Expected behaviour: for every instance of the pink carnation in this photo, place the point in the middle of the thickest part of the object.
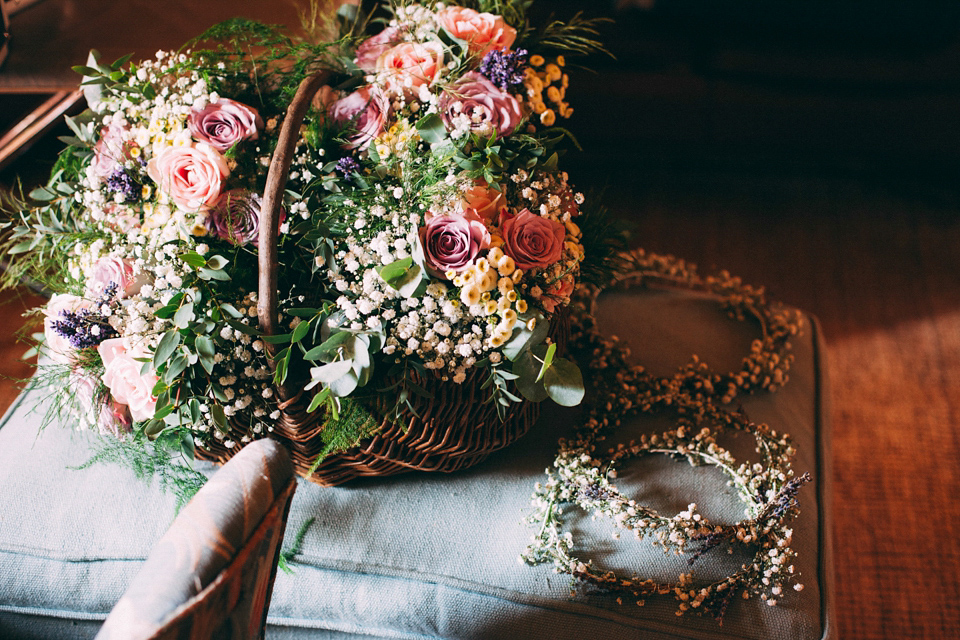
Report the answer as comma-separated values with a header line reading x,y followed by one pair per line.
x,y
532,240
488,109
452,243
410,65
483,32
224,123
192,176
365,110
127,385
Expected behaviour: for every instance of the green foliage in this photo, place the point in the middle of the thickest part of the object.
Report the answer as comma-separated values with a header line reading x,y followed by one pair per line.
x,y
149,462
577,35
604,238
354,423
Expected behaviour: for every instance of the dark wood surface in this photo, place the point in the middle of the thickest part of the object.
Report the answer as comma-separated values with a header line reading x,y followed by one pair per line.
x,y
828,174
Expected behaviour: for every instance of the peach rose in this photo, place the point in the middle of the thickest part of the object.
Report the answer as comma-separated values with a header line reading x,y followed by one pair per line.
x,y
410,65
532,240
127,385
375,46
483,201
192,176
483,32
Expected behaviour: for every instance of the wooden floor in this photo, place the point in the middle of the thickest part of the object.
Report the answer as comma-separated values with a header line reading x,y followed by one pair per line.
x,y
876,256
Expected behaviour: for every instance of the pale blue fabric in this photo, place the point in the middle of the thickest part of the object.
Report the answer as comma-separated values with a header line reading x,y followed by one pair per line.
x,y
426,556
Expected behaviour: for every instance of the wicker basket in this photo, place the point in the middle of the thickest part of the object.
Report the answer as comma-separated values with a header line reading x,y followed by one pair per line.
x,y
452,430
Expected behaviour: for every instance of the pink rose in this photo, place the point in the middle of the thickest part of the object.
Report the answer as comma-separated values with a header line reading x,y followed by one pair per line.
x,y
58,346
375,46
365,110
118,271
482,32
122,376
193,176
452,243
410,65
531,240
483,201
488,110
224,123
110,151
558,293
110,417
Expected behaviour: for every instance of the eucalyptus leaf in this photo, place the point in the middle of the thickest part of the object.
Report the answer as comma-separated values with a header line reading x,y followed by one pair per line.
x,y
526,368
564,383
330,372
184,316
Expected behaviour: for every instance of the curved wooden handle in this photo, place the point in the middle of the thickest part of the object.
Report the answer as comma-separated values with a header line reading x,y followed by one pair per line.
x,y
272,199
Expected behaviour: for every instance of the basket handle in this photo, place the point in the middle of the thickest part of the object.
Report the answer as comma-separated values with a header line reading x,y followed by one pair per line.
x,y
272,198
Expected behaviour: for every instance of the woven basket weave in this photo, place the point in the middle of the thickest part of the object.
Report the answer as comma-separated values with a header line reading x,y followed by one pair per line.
x,y
452,430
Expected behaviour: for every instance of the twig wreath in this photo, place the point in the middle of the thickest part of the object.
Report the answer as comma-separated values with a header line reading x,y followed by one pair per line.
x,y
692,398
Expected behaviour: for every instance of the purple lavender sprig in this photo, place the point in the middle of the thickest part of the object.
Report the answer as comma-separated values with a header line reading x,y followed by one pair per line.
x,y
123,183
504,69
86,328
347,166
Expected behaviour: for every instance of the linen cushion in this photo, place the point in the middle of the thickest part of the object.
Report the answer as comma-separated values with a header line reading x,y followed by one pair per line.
x,y
434,555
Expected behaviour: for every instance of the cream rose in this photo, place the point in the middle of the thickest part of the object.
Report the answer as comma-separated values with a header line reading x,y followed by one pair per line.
x,y
122,376
483,32
193,176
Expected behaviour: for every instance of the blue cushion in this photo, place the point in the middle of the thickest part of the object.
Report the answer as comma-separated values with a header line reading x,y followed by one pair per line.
x,y
431,555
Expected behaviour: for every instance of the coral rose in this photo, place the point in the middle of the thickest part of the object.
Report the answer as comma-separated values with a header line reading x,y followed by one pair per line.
x,y
475,102
224,123
482,32
410,65
452,243
192,176
122,376
532,240
366,110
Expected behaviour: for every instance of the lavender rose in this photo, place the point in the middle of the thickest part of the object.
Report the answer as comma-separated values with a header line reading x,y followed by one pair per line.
x,y
452,243
366,110
236,217
475,102
532,240
224,123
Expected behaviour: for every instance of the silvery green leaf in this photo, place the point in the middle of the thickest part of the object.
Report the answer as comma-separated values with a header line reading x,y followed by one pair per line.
x,y
564,383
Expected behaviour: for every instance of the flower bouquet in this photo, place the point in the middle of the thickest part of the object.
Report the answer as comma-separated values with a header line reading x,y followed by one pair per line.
x,y
361,246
